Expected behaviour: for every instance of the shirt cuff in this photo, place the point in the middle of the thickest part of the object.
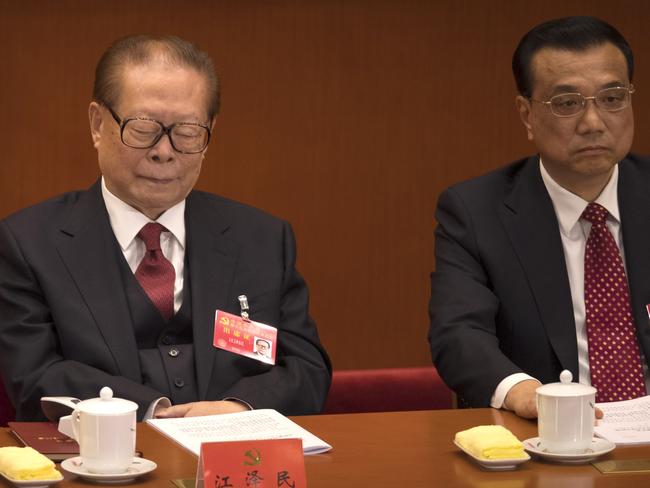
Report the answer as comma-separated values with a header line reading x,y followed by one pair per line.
x,y
504,387
232,399
162,401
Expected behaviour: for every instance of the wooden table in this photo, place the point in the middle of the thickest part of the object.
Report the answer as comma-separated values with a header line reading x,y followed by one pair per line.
x,y
395,450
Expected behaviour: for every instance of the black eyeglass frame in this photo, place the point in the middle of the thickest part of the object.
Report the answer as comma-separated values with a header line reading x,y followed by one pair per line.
x,y
165,130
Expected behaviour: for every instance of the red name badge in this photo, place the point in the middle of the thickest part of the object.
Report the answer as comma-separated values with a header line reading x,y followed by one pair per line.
x,y
276,463
246,337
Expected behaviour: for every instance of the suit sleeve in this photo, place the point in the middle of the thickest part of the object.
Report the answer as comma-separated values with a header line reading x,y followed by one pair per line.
x,y
32,362
299,381
464,309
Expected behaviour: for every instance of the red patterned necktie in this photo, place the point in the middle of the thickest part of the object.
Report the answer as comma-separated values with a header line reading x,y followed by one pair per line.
x,y
614,358
155,273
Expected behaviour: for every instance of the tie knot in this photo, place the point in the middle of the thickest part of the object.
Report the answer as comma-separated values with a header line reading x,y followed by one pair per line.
x,y
595,213
150,235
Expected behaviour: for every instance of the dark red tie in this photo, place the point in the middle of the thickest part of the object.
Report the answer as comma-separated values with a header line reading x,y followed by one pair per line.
x,y
155,273
614,358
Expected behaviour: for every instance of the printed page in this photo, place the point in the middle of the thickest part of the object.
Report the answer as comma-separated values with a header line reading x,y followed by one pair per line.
x,y
190,432
626,422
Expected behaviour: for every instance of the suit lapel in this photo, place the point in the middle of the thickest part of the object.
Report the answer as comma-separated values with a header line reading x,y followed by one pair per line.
x,y
212,262
87,247
634,202
530,222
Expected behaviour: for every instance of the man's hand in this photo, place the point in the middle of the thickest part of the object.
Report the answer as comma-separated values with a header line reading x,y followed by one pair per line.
x,y
521,399
197,409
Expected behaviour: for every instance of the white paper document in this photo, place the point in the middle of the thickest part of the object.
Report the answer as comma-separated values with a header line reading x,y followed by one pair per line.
x,y
190,432
626,422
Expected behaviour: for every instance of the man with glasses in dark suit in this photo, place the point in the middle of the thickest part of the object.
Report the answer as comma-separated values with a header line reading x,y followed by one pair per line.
x,y
542,265
118,285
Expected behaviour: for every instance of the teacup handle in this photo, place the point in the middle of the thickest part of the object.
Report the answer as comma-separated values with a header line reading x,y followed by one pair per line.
x,y
76,421
65,425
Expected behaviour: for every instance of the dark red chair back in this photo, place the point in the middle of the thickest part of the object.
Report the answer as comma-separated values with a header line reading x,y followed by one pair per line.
x,y
7,412
385,390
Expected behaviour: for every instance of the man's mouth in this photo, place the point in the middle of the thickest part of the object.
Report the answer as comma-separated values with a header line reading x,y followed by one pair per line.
x,y
157,179
593,149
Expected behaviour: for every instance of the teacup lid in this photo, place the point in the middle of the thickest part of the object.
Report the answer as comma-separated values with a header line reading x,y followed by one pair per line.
x,y
106,404
565,388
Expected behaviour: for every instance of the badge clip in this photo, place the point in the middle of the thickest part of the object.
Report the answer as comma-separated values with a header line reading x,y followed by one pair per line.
x,y
243,305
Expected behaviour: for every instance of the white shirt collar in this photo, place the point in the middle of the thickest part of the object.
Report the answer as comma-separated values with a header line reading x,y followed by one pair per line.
x,y
126,221
569,207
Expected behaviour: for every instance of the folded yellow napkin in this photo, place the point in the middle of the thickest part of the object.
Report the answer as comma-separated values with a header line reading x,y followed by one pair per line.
x,y
25,463
490,442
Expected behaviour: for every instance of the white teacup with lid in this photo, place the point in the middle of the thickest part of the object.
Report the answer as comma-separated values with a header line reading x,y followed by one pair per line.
x,y
104,427
566,415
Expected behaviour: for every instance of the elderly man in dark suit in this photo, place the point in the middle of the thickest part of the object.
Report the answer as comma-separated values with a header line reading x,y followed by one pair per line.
x,y
118,285
543,265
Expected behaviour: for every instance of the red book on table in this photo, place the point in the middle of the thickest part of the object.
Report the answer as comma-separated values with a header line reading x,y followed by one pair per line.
x,y
46,439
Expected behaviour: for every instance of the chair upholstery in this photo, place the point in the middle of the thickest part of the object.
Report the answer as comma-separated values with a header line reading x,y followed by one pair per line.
x,y
357,391
6,409
383,390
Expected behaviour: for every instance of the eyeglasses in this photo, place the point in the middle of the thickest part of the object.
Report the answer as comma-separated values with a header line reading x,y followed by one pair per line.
x,y
571,104
142,133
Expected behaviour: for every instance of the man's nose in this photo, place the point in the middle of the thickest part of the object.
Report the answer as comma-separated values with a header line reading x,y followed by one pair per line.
x,y
591,119
163,150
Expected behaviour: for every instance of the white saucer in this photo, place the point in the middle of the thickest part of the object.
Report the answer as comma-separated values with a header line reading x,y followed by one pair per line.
x,y
495,464
139,467
598,448
32,483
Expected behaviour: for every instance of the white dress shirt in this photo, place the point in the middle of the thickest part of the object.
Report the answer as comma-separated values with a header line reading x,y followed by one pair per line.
x,y
574,232
126,222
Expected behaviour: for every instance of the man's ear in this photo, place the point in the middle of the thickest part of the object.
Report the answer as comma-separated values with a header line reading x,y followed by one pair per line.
x,y
523,107
96,122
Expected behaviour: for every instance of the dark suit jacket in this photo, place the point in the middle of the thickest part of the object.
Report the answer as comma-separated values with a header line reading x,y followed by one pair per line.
x,y
500,296
65,327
